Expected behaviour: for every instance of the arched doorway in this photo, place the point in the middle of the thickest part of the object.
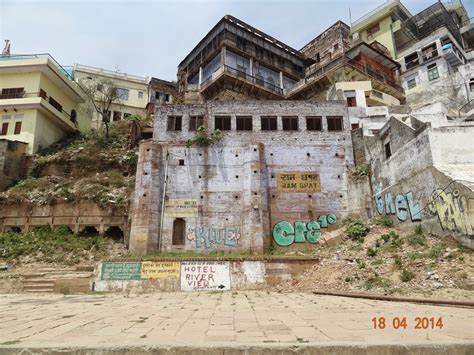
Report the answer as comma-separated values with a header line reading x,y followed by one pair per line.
x,y
179,227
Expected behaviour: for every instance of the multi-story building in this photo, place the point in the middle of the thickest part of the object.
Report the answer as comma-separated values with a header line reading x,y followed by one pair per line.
x,y
281,166
381,25
39,101
237,61
133,91
161,92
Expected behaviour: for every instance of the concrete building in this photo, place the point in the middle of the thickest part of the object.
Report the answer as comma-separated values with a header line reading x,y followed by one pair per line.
x,y
133,89
160,92
280,176
381,25
421,172
38,101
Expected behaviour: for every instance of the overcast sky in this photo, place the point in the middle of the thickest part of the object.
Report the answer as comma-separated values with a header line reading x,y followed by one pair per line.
x,y
150,38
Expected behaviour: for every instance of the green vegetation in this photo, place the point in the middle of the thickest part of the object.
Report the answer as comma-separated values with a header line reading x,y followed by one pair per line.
x,y
360,263
205,139
371,251
383,221
407,276
357,230
377,282
360,172
397,260
436,251
46,245
417,237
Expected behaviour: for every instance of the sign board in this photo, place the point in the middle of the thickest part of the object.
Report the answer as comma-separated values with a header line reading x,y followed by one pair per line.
x,y
121,270
298,181
181,207
160,269
205,275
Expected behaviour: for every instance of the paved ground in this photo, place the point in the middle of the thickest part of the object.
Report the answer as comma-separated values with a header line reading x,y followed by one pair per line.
x,y
302,322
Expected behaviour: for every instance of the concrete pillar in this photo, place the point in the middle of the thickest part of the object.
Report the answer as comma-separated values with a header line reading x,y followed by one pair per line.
x,y
200,76
251,67
420,57
145,207
281,80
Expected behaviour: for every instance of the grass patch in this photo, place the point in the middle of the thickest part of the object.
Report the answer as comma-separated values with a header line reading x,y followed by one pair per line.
x,y
397,260
48,245
417,237
436,251
377,282
383,221
407,275
357,230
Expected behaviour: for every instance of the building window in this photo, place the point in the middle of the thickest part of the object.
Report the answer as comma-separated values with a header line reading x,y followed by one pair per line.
x,y
290,123
433,72
17,128
43,94
117,116
351,102
354,126
12,93
388,150
314,123
140,94
411,83
174,123
471,85
179,227
73,116
167,98
373,30
334,123
268,123
126,115
222,123
55,104
244,123
195,122
122,94
4,129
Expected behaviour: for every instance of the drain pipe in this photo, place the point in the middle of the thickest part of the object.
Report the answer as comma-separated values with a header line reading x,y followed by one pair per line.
x,y
163,202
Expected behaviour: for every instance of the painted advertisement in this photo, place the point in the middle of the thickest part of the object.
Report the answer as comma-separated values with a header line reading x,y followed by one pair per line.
x,y
205,275
121,270
181,207
160,269
298,181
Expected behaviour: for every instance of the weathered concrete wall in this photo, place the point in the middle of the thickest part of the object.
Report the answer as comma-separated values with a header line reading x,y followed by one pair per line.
x,y
197,275
76,216
12,162
227,194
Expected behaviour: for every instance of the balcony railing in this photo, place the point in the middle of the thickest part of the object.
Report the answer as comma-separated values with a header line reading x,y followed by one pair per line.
x,y
43,95
247,77
379,77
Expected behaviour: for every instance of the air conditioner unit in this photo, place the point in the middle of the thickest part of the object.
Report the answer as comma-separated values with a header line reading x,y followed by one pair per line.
x,y
356,36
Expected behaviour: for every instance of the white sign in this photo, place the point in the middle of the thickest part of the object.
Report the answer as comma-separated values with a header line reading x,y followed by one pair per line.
x,y
205,275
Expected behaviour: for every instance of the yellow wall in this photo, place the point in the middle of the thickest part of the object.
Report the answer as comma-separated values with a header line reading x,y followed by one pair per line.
x,y
383,36
47,132
29,81
28,125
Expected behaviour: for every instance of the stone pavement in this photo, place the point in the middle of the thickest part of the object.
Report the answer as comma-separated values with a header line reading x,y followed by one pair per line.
x,y
225,323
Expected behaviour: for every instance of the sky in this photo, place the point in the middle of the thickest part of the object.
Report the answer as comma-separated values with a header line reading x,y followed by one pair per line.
x,y
150,38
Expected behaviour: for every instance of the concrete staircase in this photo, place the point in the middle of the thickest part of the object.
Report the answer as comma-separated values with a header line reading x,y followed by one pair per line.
x,y
62,280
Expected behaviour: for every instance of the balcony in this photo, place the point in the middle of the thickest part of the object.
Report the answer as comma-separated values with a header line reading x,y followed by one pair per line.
x,y
243,80
453,55
40,99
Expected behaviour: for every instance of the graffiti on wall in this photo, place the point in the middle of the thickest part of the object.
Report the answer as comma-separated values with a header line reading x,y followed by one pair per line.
x,y
205,237
205,275
298,181
455,211
402,205
286,233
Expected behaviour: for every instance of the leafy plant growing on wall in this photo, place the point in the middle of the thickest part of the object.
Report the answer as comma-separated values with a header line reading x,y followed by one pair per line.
x,y
360,172
205,139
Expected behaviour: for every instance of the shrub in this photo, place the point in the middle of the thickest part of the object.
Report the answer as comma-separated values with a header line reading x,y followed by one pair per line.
x,y
385,238
357,230
416,239
205,139
436,251
397,260
360,263
396,240
407,276
371,252
377,281
383,221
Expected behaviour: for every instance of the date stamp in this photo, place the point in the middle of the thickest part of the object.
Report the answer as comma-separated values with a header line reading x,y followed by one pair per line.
x,y
403,323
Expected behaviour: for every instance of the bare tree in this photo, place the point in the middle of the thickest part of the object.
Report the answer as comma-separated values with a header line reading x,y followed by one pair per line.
x,y
102,93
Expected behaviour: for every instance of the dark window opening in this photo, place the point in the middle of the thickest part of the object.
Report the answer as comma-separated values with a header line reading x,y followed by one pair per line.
x,y
43,94
179,227
174,123
354,125
73,116
195,122
244,123
314,123
222,123
12,93
411,83
89,231
181,162
55,104
433,72
115,233
334,123
351,102
290,123
388,150
17,128
117,116
4,129
269,123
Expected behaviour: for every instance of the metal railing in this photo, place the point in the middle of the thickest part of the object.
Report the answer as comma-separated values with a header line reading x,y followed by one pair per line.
x,y
43,95
37,56
247,77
